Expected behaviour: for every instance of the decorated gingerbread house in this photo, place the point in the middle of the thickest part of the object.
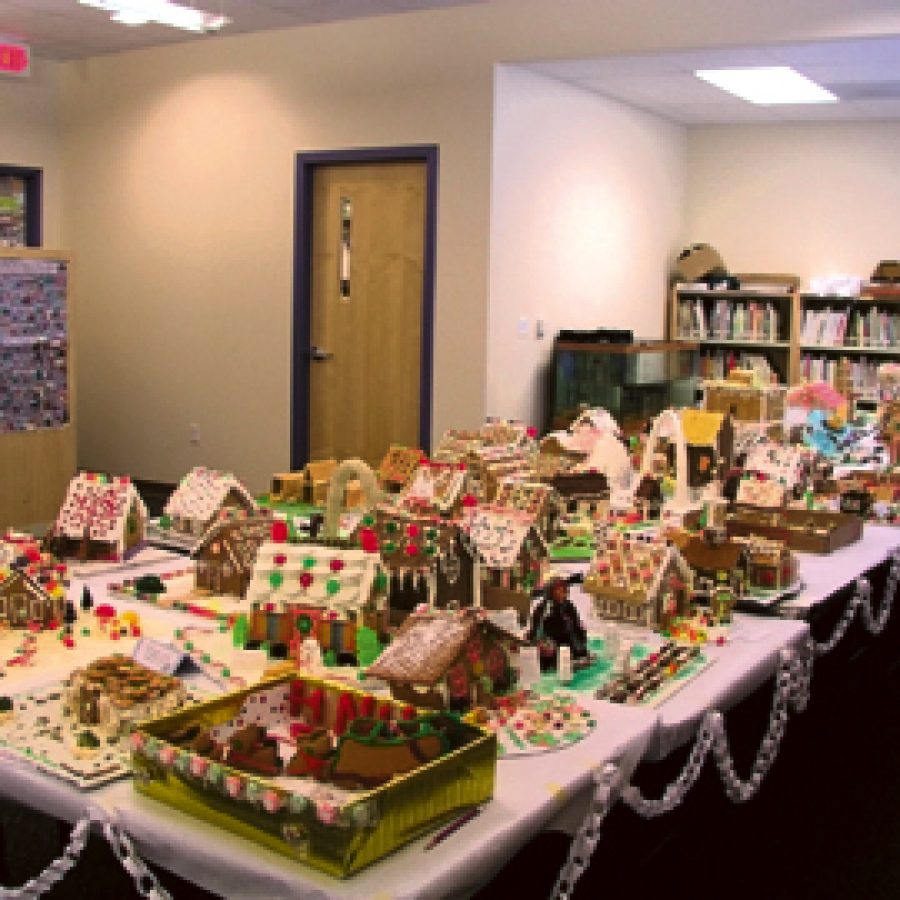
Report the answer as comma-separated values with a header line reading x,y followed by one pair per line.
x,y
200,498
294,585
34,594
424,559
511,554
643,582
398,467
447,660
709,437
102,517
225,555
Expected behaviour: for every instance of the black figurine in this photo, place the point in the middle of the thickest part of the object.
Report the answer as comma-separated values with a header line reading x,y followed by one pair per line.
x,y
87,599
555,623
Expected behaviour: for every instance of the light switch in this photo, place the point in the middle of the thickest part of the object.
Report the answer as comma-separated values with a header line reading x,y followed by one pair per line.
x,y
522,327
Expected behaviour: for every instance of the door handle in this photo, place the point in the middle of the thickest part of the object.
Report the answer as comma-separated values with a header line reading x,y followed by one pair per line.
x,y
317,354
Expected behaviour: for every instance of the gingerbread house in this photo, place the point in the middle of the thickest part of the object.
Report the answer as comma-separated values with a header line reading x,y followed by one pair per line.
x,y
715,558
771,565
200,498
102,517
35,594
338,584
511,554
224,556
447,660
398,467
642,582
424,559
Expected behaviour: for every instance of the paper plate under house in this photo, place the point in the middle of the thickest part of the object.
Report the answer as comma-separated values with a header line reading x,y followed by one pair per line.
x,y
221,762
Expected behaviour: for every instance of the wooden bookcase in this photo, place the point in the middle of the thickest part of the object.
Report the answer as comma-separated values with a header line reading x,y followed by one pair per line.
x,y
857,341
789,347
728,327
37,461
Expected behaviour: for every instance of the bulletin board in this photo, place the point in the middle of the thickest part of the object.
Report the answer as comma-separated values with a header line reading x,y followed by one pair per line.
x,y
37,441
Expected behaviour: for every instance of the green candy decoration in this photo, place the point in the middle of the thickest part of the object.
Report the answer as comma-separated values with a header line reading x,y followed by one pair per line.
x,y
332,586
381,581
276,579
304,624
309,562
389,547
368,520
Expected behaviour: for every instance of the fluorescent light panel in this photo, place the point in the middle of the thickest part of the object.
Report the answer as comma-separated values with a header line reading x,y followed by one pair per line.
x,y
162,12
767,85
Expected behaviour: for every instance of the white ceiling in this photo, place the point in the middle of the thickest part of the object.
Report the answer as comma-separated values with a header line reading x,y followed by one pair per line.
x,y
863,73
63,29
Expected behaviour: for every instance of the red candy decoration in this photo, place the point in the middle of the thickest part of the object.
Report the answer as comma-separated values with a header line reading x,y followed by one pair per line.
x,y
336,565
279,531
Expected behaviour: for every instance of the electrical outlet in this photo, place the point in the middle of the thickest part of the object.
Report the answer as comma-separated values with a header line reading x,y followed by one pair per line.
x,y
539,329
194,433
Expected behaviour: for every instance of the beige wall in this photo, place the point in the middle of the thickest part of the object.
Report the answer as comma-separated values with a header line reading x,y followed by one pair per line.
x,y
30,136
814,199
587,207
179,200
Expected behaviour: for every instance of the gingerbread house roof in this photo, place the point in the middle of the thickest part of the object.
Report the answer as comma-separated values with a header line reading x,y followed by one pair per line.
x,y
312,574
650,561
498,535
704,556
45,577
434,486
427,644
98,505
526,496
201,493
240,539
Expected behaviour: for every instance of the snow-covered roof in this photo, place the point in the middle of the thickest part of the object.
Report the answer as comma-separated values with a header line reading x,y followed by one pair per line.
x,y
98,504
202,492
314,574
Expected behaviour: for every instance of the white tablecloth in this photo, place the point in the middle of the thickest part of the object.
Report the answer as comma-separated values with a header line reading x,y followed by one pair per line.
x,y
824,575
533,793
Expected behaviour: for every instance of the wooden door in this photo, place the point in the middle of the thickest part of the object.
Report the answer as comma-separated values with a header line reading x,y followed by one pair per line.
x,y
366,281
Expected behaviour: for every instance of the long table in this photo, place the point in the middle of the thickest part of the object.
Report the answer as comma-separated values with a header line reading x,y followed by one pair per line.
x,y
533,794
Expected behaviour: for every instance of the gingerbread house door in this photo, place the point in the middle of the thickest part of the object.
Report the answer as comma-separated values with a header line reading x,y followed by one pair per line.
x,y
363,303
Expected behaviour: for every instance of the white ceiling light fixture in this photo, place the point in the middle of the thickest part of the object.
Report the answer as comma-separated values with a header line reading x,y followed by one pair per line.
x,y
767,85
162,12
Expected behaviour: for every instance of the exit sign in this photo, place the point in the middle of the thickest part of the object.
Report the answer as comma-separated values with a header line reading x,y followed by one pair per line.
x,y
15,58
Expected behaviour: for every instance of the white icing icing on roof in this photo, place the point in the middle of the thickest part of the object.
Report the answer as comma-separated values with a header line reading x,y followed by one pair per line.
x,y
498,535
99,505
292,561
202,492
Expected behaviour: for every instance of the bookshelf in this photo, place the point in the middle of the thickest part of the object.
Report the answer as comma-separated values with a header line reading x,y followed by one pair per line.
x,y
864,329
751,327
801,336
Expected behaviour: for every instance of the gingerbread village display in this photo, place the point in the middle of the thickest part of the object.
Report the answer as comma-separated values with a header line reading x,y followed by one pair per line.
x,y
452,595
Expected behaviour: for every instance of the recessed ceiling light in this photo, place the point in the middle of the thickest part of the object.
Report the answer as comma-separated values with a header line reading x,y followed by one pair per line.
x,y
767,85
162,12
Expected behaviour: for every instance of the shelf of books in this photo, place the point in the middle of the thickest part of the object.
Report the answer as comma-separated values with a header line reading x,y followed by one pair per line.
x,y
864,329
750,328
